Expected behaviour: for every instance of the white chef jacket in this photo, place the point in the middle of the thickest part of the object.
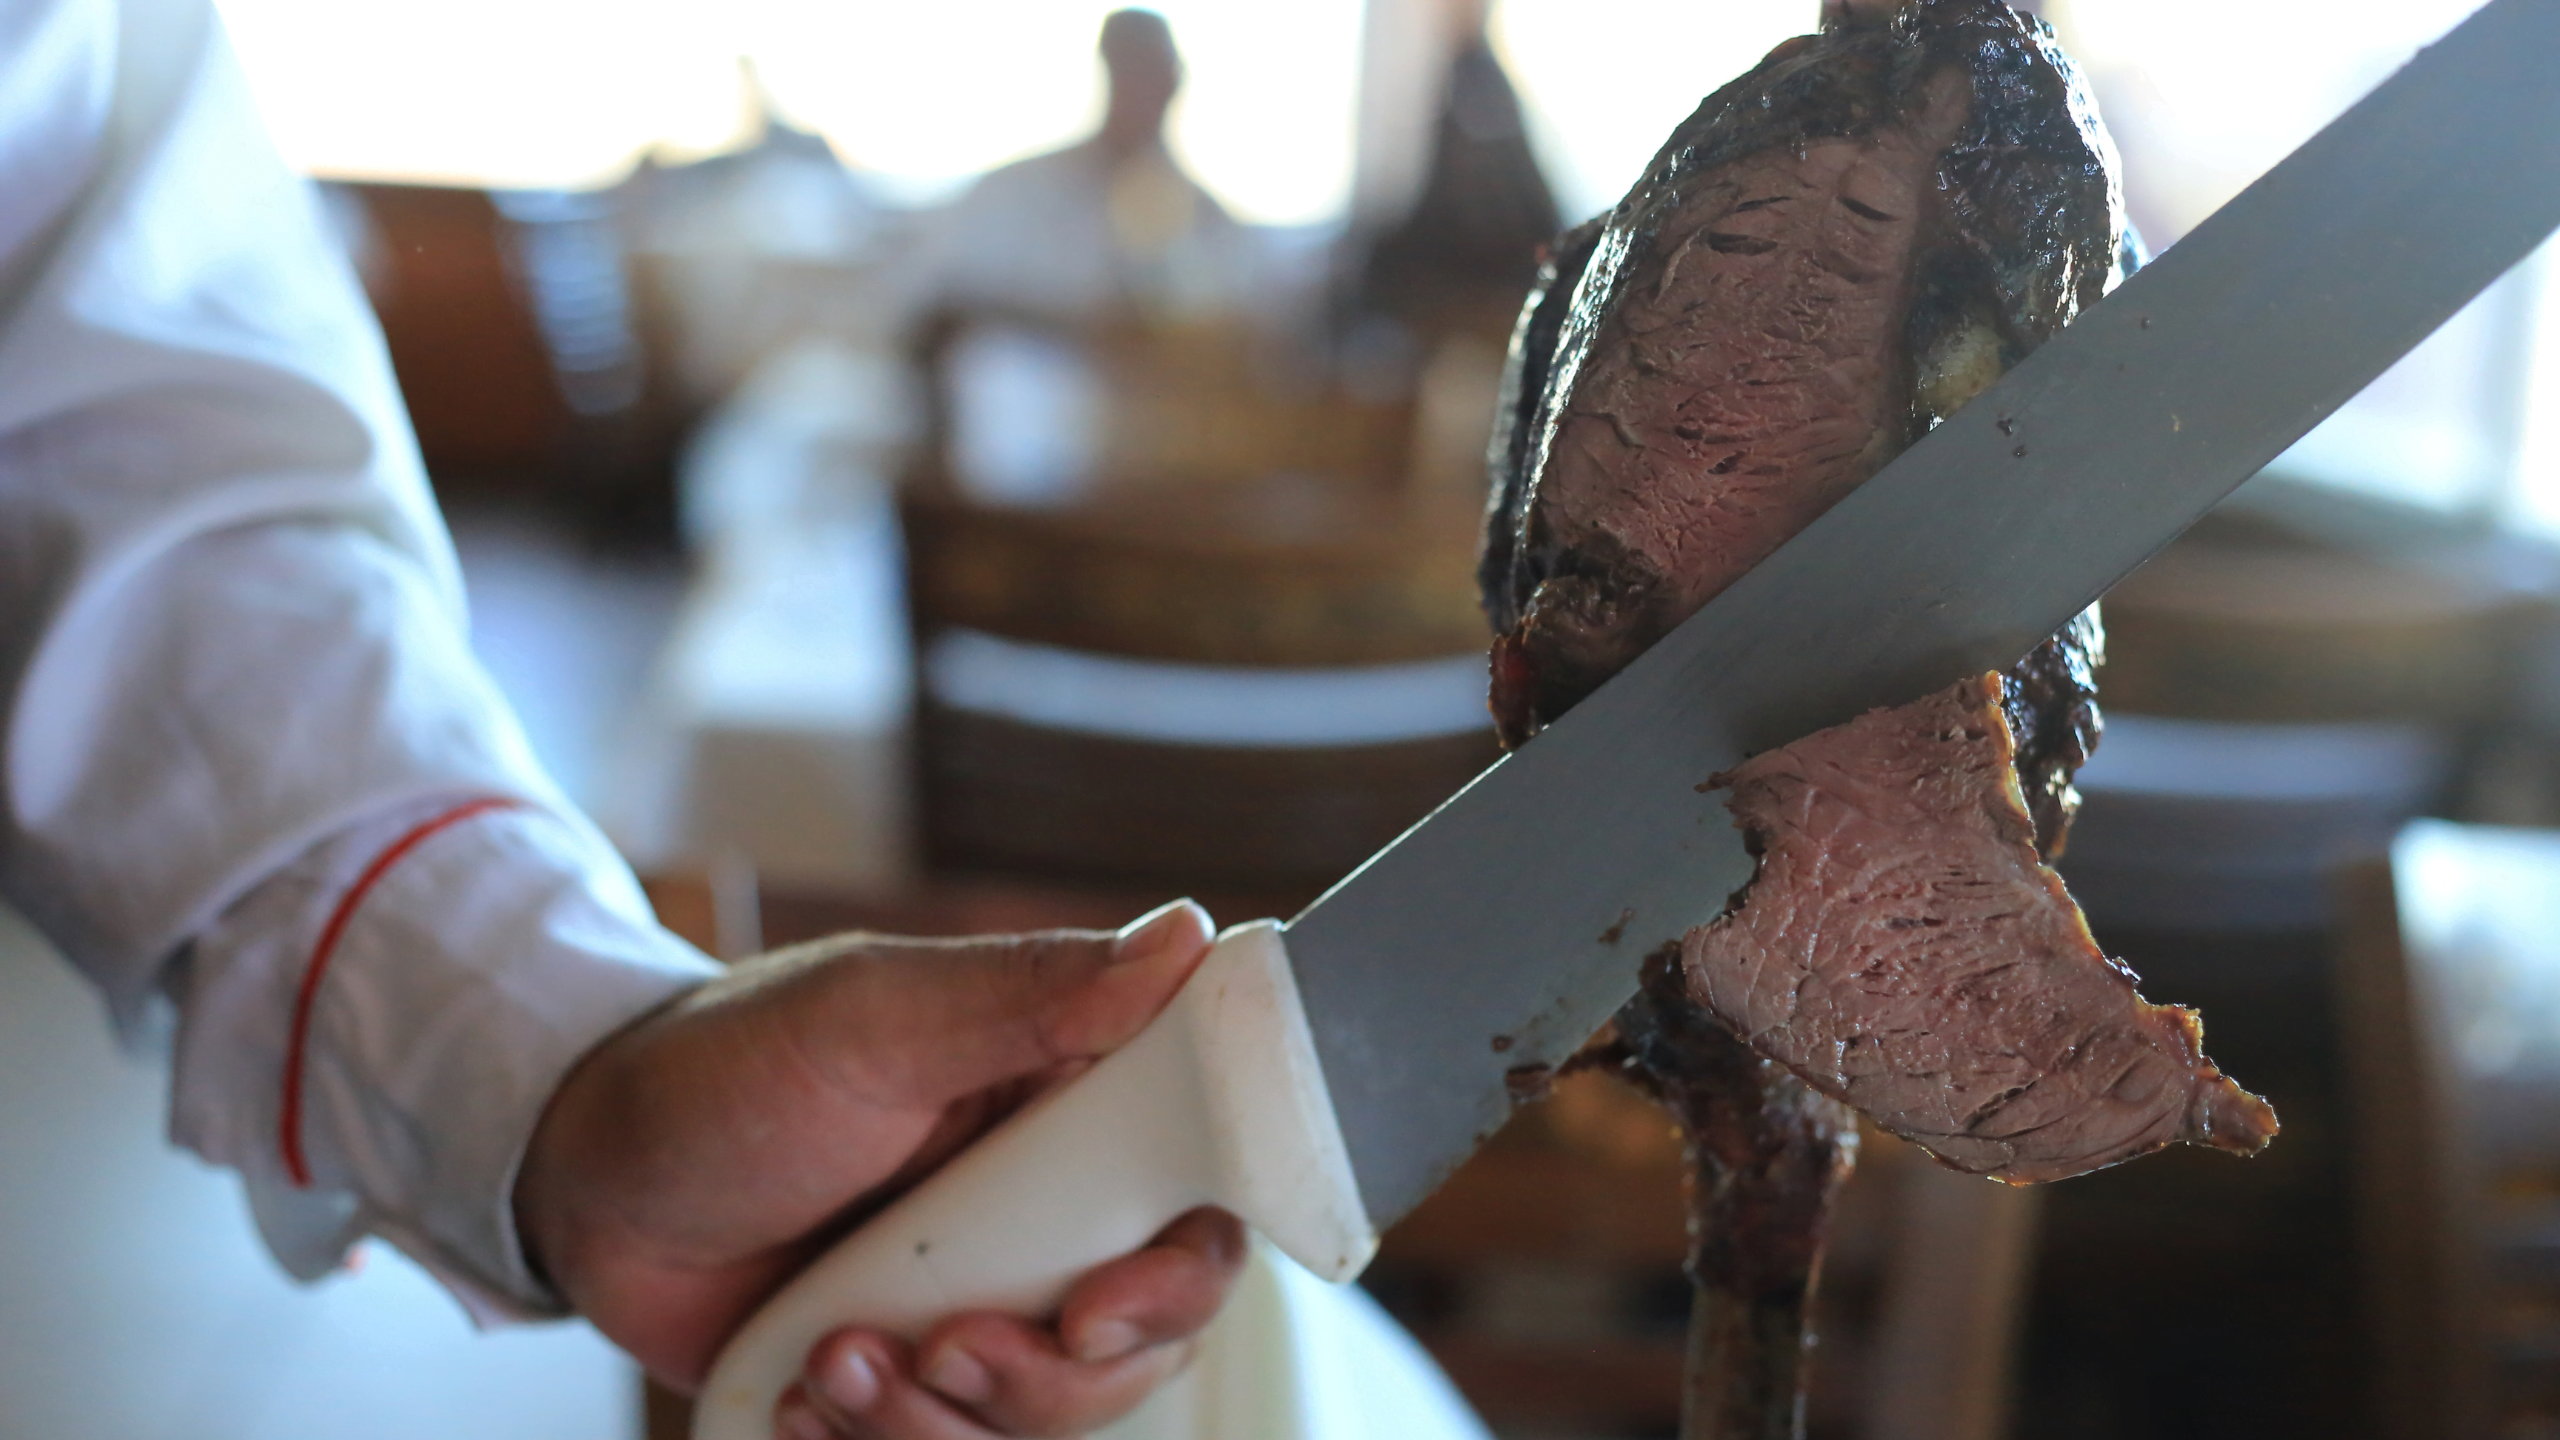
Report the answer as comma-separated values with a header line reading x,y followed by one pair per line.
x,y
1076,234
247,761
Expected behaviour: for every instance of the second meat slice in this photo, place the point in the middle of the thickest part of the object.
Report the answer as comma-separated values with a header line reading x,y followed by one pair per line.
x,y
1902,948
1834,253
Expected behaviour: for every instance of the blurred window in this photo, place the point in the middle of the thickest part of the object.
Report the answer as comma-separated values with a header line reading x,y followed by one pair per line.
x,y
1604,81
925,93
2203,96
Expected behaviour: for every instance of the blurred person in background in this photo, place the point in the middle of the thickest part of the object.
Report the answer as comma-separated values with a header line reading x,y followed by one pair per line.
x,y
256,784
1109,225
1462,256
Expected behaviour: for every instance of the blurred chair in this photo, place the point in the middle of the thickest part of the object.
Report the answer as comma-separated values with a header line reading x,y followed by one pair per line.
x,y
2246,619
2278,702
520,346
1545,1277
2449,975
472,363
1177,618
2282,698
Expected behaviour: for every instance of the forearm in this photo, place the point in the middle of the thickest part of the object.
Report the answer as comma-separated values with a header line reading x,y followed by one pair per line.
x,y
234,670
370,1036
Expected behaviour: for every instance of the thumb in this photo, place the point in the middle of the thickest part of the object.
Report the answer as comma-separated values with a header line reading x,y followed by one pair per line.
x,y
1088,1010
986,1011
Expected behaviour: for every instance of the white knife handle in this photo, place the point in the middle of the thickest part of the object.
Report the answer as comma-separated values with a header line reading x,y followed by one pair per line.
x,y
1219,1101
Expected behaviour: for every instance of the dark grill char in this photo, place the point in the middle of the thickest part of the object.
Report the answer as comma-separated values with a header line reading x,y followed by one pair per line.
x,y
2050,700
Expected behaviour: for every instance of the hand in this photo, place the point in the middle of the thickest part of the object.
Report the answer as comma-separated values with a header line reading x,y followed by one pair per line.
x,y
691,1164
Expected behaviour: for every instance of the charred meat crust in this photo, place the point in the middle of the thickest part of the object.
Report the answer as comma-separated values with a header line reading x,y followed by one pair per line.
x,y
2050,700
1524,388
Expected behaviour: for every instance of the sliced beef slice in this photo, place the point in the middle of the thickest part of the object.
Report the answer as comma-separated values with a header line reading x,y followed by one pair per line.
x,y
1903,949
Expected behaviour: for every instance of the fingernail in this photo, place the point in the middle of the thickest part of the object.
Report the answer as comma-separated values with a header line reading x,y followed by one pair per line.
x,y
848,1379
1146,937
961,1376
797,1421
1107,1340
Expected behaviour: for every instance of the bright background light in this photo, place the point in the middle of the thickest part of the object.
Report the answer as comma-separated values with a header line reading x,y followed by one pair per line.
x,y
572,92
2218,89
1605,80
2203,96
2210,93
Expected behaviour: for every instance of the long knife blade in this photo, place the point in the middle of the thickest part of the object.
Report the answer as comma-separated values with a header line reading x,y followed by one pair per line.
x,y
1503,930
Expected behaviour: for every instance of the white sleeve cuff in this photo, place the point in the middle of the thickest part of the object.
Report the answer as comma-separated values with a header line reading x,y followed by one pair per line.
x,y
369,1036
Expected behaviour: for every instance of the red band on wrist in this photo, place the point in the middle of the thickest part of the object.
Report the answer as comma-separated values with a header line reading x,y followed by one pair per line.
x,y
289,1118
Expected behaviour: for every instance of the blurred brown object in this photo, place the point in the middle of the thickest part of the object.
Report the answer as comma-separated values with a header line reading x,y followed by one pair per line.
x,y
519,345
1459,260
1219,515
1946,1333
1284,570
2450,1002
1546,1278
472,365
2242,622
2417,1213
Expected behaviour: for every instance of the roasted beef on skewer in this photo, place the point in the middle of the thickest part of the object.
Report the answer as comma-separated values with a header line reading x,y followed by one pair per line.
x,y
1834,253
1767,1154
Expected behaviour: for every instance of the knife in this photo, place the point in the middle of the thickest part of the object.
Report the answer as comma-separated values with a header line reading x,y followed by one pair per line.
x,y
1320,1078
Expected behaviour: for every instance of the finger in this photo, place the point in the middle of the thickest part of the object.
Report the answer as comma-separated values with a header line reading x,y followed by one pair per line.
x,y
1013,1376
1168,1291
1128,1325
1005,1007
1150,957
799,1416
886,1404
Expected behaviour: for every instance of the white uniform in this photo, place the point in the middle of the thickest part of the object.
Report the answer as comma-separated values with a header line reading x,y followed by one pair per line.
x,y
247,755
1073,234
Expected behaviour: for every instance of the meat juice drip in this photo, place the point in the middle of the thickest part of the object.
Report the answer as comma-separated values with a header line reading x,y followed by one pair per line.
x,y
1767,1154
